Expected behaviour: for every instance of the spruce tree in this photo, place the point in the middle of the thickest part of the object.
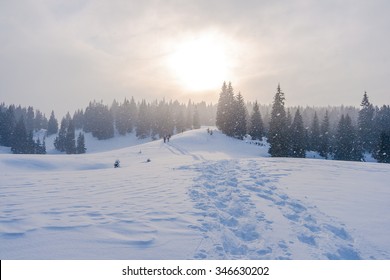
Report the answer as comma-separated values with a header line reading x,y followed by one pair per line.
x,y
383,150
324,148
180,121
60,140
239,114
277,136
80,148
366,125
221,109
30,119
226,120
196,121
189,116
8,126
314,138
30,144
256,127
297,135
70,142
347,146
143,125
19,138
52,126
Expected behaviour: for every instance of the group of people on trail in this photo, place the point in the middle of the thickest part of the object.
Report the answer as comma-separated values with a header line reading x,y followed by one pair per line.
x,y
166,138
209,131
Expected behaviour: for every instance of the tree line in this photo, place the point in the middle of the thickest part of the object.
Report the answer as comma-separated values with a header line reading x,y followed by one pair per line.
x,y
19,126
342,133
289,135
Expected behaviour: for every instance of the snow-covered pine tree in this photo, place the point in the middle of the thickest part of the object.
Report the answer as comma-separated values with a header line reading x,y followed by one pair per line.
x,y
30,119
256,127
366,125
8,126
80,147
240,117
324,147
189,115
347,147
383,149
60,140
196,121
19,138
221,109
226,119
277,136
314,136
297,134
52,126
143,124
70,141
180,121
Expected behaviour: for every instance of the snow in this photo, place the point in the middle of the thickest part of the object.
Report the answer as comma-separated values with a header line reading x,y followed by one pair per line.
x,y
201,196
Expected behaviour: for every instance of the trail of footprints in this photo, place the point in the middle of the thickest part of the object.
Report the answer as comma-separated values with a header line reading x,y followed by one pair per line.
x,y
227,195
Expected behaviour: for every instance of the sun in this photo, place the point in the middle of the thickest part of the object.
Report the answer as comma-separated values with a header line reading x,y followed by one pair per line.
x,y
200,63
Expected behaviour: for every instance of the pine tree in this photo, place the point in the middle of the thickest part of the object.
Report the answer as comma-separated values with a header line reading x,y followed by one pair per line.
x,y
30,119
256,128
143,125
52,126
324,148
226,120
277,136
81,149
314,138
19,138
297,135
8,126
383,150
180,122
70,142
366,125
78,119
60,140
347,147
30,144
196,121
133,114
189,116
122,117
240,117
221,109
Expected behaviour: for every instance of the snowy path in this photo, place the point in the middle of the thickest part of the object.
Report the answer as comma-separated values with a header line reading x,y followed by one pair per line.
x,y
243,215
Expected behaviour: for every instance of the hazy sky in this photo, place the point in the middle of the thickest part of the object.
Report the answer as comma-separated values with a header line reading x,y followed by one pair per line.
x,y
62,54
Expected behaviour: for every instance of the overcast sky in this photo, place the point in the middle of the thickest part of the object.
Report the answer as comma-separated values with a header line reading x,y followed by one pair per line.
x,y
62,54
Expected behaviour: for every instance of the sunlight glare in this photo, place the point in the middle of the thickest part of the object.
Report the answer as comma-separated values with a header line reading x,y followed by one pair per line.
x,y
200,63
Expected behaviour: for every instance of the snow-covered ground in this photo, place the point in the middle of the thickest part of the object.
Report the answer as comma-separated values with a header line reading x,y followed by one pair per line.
x,y
201,196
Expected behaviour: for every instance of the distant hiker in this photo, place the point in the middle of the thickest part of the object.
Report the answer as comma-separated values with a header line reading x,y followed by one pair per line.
x,y
169,137
208,130
211,132
165,139
116,163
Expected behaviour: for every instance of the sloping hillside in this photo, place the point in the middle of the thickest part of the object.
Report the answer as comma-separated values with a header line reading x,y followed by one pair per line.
x,y
199,196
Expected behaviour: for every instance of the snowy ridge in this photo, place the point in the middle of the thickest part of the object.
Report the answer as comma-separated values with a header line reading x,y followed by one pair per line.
x,y
199,197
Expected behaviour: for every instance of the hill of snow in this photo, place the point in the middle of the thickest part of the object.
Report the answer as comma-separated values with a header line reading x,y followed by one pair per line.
x,y
200,196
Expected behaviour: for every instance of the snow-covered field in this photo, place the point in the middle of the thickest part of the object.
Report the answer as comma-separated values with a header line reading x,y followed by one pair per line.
x,y
201,196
